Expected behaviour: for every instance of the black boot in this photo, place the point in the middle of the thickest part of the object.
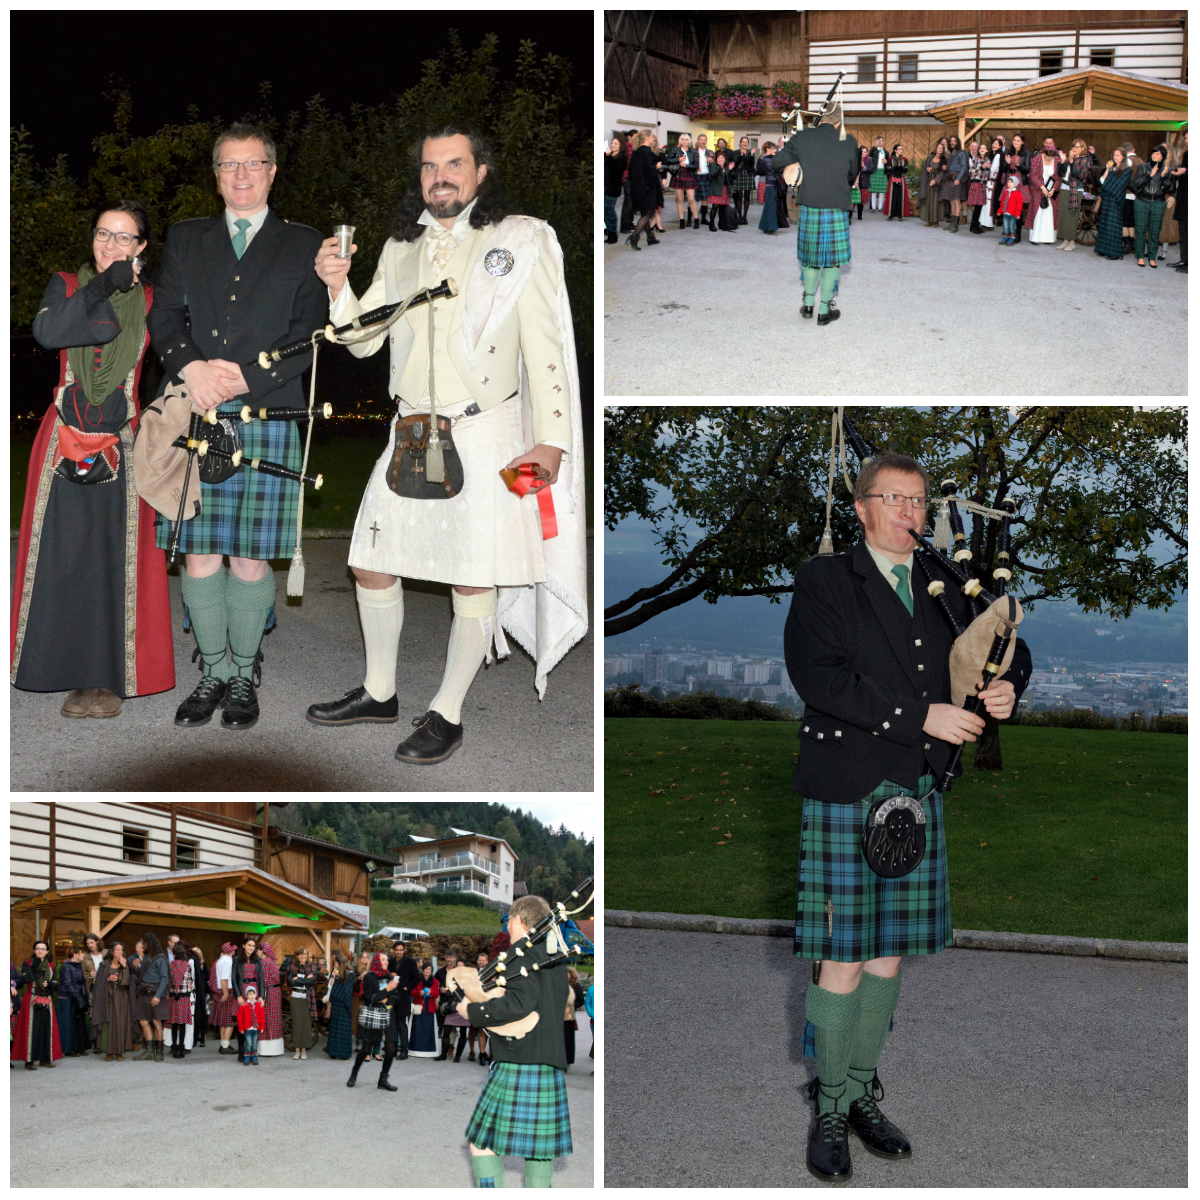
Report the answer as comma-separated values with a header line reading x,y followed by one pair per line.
x,y
610,236
703,214
383,1075
651,240
462,1041
682,223
873,1129
445,1054
358,1062
632,240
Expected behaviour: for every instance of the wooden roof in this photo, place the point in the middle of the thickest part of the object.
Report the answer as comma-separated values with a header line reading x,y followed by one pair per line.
x,y
1098,96
234,898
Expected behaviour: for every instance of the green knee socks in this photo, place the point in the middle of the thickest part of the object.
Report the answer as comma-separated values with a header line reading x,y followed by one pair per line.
x,y
835,1019
827,278
488,1169
205,600
812,277
538,1172
248,605
879,997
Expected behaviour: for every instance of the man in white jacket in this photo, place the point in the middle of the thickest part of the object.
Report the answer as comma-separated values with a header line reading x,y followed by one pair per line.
x,y
504,384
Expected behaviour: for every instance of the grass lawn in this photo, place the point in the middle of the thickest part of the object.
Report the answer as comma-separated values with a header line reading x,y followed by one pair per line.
x,y
434,918
1084,831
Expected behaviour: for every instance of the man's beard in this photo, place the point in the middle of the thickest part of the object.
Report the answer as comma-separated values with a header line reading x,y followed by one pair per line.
x,y
446,208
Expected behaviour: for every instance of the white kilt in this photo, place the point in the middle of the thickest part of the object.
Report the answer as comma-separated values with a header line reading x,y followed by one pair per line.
x,y
483,537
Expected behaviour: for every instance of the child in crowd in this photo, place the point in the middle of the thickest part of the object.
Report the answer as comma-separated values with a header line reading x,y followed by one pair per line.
x,y
251,1021
1010,208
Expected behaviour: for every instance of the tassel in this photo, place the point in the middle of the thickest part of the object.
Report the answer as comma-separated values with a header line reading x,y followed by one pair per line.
x,y
493,632
295,579
435,468
826,546
941,527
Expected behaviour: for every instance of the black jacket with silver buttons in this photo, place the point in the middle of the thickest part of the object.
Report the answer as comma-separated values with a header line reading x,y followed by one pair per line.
x,y
867,673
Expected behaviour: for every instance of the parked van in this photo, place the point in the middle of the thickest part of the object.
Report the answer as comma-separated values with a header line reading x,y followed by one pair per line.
x,y
400,933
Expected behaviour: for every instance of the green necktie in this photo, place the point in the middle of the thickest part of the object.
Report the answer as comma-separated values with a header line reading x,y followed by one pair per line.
x,y
902,588
239,238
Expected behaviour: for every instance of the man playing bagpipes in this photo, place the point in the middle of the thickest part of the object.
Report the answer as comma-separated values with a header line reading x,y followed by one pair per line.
x,y
522,1110
229,287
484,382
870,655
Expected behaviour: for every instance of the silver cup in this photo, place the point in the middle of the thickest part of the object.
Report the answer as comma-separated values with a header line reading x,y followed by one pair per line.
x,y
345,237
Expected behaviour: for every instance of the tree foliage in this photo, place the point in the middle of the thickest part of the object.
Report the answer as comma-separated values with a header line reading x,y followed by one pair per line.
x,y
736,495
333,168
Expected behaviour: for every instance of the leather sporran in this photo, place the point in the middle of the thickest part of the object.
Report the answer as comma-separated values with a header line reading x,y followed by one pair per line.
x,y
406,471
894,836
225,437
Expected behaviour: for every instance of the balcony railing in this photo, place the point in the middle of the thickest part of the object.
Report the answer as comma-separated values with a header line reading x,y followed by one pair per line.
x,y
460,885
428,863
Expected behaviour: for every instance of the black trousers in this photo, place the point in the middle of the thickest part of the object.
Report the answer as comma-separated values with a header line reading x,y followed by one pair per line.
x,y
626,209
1183,240
400,1030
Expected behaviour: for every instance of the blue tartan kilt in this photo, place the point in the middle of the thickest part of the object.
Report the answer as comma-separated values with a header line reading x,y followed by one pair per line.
x,y
743,181
252,514
872,917
522,1112
823,237
702,182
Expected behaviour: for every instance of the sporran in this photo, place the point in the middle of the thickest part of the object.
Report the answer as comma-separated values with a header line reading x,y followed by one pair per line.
x,y
893,840
406,471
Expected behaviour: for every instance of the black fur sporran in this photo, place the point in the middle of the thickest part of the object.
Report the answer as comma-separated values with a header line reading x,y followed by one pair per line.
x,y
894,836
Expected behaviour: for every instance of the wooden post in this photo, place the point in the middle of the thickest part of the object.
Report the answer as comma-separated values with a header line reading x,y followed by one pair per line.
x,y
978,41
173,828
962,126
230,898
327,954
53,883
1078,25
264,860
93,922
1087,95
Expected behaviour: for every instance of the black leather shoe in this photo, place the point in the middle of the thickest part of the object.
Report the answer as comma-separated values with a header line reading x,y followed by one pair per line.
x,y
829,1149
806,311
241,704
876,1132
199,707
355,707
433,741
825,318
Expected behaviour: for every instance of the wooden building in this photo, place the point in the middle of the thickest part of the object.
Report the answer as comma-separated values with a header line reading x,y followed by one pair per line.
x,y
163,861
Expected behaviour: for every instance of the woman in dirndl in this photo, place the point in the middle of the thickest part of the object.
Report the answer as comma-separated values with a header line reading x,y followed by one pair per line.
x,y
340,1043
741,182
36,1037
84,529
181,1012
1110,207
422,1039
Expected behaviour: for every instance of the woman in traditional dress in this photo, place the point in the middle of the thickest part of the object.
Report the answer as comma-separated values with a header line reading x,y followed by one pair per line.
x,y
111,1004
932,173
769,221
1110,207
200,975
720,215
1044,183
340,1043
78,536
270,1040
898,206
1074,169
992,183
1128,219
976,173
150,1009
181,1012
742,180
72,1005
225,1001
422,1040
36,1038
301,989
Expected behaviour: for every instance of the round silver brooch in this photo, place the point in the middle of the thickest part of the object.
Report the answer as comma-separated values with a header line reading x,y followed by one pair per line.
x,y
498,261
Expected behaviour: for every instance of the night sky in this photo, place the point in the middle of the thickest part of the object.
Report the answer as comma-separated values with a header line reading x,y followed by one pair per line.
x,y
60,63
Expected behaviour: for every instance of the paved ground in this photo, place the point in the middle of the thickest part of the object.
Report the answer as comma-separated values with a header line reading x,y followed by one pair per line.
x,y
1004,1070
924,312
281,1124
315,653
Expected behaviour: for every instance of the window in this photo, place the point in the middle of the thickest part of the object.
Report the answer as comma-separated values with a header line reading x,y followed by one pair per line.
x,y
866,68
1104,58
508,866
133,844
323,877
1051,62
187,855
908,69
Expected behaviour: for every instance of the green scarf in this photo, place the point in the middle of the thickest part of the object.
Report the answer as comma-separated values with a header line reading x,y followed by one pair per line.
x,y
118,357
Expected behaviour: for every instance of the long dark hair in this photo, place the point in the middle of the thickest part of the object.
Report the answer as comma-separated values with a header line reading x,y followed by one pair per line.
x,y
150,947
489,200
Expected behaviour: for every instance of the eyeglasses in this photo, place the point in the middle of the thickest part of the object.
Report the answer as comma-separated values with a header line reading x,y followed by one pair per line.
x,y
251,164
894,501
122,239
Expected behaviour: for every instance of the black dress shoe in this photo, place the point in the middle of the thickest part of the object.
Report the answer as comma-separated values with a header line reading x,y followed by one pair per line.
x,y
876,1132
806,311
829,1149
355,707
241,704
433,740
199,707
831,315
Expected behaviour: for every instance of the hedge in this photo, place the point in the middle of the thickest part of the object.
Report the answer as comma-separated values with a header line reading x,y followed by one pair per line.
x,y
1084,718
631,701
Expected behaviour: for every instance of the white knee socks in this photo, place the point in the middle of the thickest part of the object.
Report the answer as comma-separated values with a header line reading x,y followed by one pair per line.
x,y
382,616
465,652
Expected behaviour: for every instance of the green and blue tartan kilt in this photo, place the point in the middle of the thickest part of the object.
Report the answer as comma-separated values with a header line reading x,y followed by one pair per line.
x,y
743,181
856,195
522,1112
702,186
823,237
878,182
872,917
252,514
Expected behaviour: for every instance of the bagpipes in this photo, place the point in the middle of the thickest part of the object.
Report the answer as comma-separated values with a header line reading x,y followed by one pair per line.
x,y
464,984
984,648
793,173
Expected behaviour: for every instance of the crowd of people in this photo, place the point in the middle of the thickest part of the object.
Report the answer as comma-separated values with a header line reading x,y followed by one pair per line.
x,y
996,184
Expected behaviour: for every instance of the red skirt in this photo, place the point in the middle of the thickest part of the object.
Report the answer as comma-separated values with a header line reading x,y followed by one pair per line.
x,y
224,1012
976,195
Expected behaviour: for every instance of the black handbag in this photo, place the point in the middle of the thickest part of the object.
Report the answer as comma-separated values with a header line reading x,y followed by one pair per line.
x,y
406,471
893,838
224,437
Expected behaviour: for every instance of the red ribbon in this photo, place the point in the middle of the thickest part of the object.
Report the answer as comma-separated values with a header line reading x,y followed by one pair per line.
x,y
526,482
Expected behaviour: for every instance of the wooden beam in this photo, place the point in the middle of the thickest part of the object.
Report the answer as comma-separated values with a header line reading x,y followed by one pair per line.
x,y
113,923
728,46
174,827
886,27
1070,115
222,914
263,860
975,130
93,920
1087,95
231,898
53,839
1078,27
320,944
962,127
762,58
327,953
616,32
978,43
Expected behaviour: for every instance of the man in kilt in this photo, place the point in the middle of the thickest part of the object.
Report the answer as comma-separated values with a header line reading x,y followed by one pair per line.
x,y
829,160
522,1110
870,655
881,165
229,287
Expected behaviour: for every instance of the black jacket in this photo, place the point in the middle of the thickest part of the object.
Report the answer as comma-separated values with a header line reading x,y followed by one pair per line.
x,y
867,673
743,161
645,187
614,173
246,973
828,161
1152,187
543,991
766,168
208,305
405,969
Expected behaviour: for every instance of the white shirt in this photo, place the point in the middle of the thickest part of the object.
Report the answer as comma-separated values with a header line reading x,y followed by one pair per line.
x,y
256,223
225,970
701,161
459,230
885,566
